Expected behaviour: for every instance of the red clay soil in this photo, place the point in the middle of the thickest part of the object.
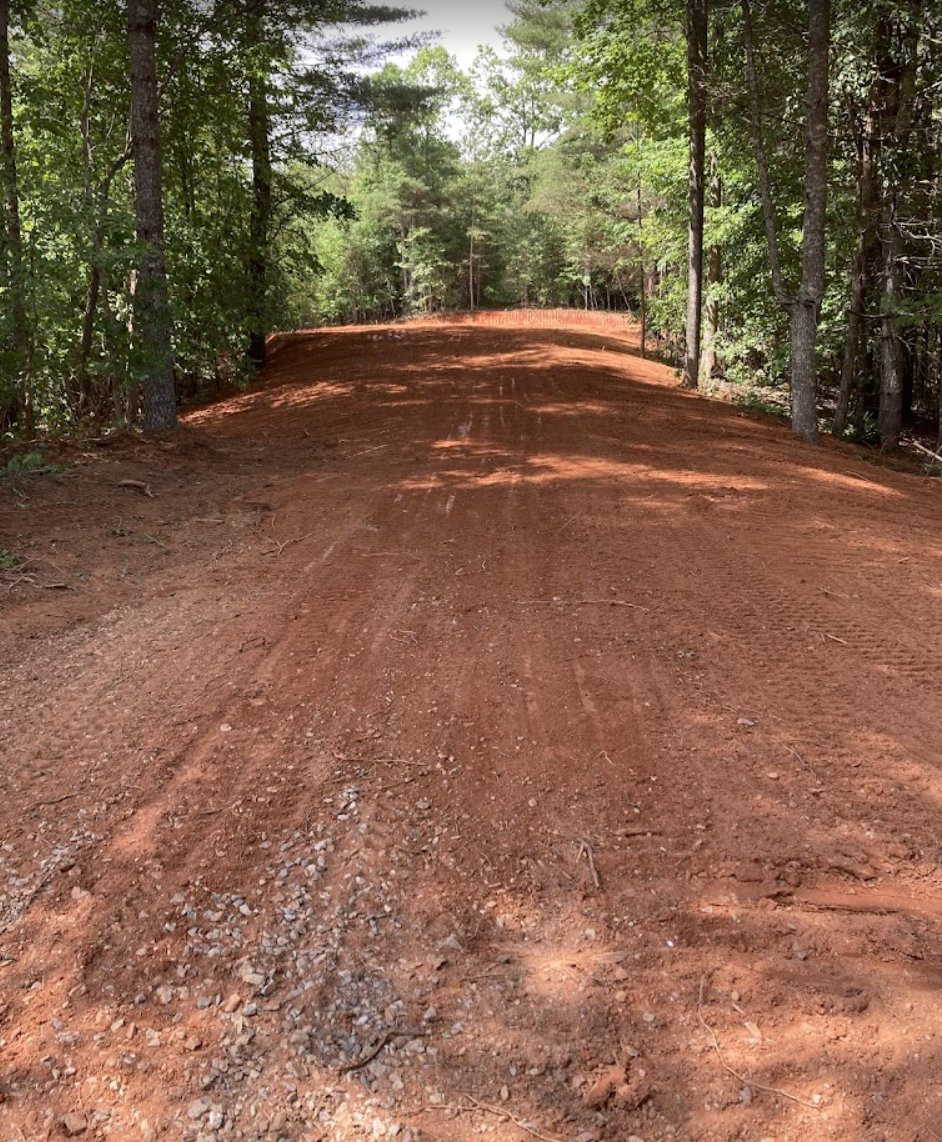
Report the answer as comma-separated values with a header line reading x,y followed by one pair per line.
x,y
471,734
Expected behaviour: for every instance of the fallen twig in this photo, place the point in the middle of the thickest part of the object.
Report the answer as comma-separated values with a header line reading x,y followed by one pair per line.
x,y
138,485
406,1033
736,1075
279,547
806,764
834,638
504,1113
586,603
586,848
934,455
217,554
376,448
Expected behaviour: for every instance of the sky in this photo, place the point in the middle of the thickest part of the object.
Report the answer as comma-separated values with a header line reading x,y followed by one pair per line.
x,y
463,24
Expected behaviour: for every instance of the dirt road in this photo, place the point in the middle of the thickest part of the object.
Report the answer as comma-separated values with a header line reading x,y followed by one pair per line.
x,y
471,704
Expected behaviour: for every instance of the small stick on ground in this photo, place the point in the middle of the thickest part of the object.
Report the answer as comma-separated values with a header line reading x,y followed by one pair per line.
x,y
218,554
584,603
279,547
834,638
806,764
54,801
586,848
504,1113
405,1033
935,456
736,1075
138,485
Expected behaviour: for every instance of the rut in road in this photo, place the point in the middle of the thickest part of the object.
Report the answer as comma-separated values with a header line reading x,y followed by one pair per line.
x,y
524,747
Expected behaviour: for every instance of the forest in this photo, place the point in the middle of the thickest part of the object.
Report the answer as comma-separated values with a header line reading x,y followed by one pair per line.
x,y
758,184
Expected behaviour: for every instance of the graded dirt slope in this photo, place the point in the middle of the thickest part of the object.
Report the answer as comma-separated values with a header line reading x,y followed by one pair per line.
x,y
472,734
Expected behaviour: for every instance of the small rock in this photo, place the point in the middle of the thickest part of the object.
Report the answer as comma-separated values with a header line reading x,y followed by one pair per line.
x,y
197,1109
164,995
79,893
193,1043
232,1004
74,1124
504,1094
745,722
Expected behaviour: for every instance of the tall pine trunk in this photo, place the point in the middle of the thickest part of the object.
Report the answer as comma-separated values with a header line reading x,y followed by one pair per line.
x,y
697,22
811,290
855,338
898,91
22,410
260,226
152,321
711,302
803,309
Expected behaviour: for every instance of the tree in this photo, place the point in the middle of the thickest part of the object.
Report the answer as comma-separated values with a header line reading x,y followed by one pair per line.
x,y
697,25
803,307
898,81
259,132
152,321
20,409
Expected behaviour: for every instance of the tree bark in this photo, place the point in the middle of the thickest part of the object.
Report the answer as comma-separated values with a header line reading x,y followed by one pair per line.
x,y
900,79
641,274
811,289
803,309
711,303
23,410
860,273
260,228
152,319
697,23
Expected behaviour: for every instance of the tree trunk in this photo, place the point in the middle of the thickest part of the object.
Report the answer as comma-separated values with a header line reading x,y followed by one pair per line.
x,y
860,273
152,321
899,85
641,274
811,289
22,394
890,416
803,309
260,149
697,23
714,278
